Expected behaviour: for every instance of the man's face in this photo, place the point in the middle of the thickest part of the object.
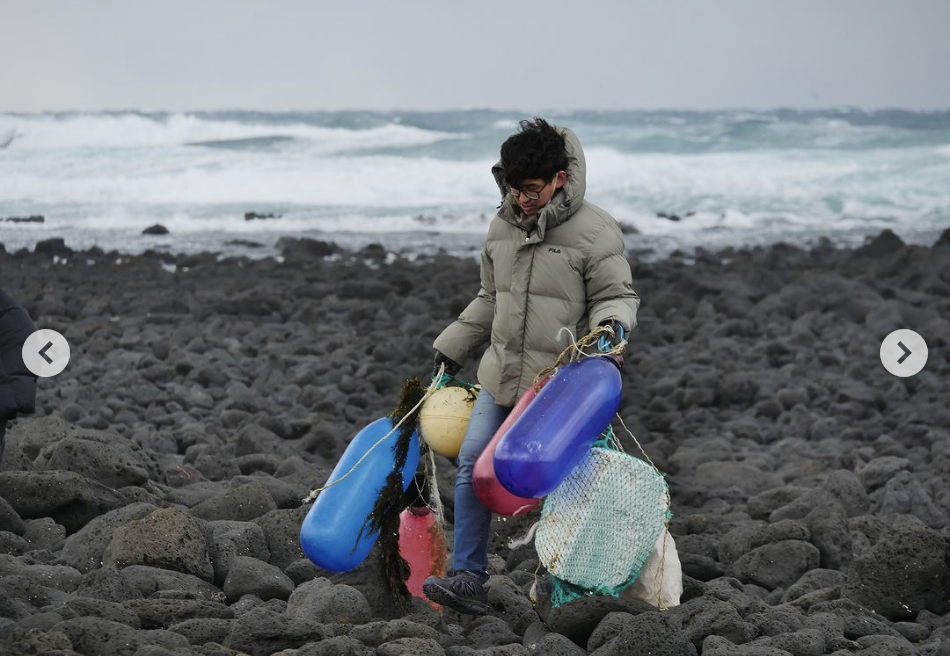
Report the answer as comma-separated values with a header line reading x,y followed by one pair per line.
x,y
543,189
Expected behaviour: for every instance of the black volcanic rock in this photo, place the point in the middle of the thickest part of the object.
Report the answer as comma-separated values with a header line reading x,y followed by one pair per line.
x,y
68,498
905,573
54,246
808,485
883,244
305,249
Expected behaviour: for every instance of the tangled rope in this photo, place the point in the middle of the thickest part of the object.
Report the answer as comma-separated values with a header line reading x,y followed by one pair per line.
x,y
575,350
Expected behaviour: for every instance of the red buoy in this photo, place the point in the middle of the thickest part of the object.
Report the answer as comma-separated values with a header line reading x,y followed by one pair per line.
x,y
422,544
487,487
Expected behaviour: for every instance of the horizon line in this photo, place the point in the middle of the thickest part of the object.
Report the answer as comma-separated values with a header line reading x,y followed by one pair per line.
x,y
394,110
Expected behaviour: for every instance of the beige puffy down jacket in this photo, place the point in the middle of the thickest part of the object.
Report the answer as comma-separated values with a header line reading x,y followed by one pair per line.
x,y
568,271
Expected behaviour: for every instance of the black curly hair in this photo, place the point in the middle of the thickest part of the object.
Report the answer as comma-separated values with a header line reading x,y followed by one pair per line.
x,y
537,151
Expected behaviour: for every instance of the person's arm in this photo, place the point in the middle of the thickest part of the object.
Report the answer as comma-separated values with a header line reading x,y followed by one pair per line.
x,y
609,283
473,326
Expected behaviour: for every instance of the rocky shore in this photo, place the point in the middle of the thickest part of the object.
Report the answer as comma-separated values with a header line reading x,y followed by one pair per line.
x,y
152,505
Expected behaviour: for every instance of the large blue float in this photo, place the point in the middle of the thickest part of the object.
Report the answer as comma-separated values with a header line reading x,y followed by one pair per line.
x,y
330,534
558,427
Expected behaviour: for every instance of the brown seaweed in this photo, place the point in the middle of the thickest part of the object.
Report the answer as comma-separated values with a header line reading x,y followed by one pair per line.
x,y
384,518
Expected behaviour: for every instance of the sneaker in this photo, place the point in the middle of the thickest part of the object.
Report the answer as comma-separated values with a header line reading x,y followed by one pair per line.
x,y
463,592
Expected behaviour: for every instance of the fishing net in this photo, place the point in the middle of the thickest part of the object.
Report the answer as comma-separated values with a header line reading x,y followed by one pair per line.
x,y
600,525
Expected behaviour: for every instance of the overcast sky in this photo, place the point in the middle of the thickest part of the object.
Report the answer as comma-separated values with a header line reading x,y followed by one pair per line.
x,y
445,54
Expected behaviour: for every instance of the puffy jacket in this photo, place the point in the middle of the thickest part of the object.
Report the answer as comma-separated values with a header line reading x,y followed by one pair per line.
x,y
17,383
568,271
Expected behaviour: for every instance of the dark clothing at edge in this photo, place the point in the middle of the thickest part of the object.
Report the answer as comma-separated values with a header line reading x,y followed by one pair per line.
x,y
17,383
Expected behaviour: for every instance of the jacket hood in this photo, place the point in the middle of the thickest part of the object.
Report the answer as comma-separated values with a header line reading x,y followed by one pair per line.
x,y
565,202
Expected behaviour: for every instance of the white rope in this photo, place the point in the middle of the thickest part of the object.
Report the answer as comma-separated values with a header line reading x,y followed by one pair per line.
x,y
432,387
661,572
637,442
526,539
574,342
435,499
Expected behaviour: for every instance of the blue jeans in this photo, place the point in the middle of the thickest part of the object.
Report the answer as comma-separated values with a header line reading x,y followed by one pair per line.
x,y
472,519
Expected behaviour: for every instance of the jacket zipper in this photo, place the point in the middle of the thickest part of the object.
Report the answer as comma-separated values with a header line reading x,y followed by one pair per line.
x,y
524,324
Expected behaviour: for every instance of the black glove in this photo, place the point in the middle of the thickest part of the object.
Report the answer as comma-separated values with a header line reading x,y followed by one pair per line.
x,y
451,366
606,342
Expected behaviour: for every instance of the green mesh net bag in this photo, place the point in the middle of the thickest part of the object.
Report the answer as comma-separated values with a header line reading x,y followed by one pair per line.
x,y
600,525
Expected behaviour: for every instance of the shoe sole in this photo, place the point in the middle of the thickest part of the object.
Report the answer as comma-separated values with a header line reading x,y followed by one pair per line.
x,y
446,597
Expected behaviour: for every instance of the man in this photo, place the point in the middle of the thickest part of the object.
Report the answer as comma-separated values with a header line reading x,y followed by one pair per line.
x,y
17,383
551,259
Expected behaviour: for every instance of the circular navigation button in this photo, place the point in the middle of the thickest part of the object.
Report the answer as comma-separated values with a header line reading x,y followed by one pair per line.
x,y
904,353
45,353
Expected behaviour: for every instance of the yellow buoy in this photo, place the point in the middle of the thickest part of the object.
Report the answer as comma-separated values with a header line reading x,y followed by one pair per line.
x,y
444,417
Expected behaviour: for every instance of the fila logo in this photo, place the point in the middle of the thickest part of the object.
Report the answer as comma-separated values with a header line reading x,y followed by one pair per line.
x,y
554,250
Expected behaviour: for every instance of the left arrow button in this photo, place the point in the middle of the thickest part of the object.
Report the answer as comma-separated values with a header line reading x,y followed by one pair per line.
x,y
45,353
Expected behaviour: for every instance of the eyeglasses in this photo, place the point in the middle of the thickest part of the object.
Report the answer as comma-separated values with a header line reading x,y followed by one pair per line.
x,y
530,195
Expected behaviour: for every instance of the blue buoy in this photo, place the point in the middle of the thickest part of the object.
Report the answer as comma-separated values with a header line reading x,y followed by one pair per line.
x,y
558,427
330,534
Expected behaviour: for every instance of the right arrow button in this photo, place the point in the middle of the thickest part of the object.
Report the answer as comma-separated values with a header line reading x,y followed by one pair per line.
x,y
904,353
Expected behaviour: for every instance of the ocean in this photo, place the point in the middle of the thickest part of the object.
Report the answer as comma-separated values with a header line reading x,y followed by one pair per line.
x,y
420,182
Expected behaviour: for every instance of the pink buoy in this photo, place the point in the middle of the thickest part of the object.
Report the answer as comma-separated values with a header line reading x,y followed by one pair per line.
x,y
488,489
422,545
